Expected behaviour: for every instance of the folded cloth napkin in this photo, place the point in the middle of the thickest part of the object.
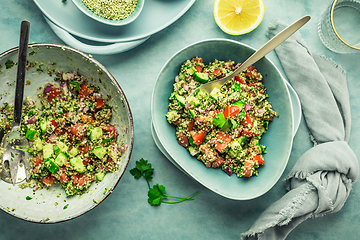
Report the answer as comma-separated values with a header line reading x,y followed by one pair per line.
x,y
321,179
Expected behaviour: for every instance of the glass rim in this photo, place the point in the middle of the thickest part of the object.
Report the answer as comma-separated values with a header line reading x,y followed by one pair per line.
x,y
333,26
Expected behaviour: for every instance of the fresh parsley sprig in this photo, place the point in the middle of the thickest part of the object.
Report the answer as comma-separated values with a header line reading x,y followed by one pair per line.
x,y
156,194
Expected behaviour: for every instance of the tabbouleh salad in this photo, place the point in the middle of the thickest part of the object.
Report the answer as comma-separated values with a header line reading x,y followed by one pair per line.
x,y
222,129
72,141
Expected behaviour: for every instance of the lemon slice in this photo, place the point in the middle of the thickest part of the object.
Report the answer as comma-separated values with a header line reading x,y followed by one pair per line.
x,y
238,17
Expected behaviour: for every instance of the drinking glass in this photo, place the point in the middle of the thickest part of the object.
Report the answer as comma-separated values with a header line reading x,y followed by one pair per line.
x,y
339,26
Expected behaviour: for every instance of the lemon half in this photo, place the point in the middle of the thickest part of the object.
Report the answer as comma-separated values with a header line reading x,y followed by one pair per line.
x,y
238,17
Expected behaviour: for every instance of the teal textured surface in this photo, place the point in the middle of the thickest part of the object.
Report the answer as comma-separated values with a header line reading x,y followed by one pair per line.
x,y
125,214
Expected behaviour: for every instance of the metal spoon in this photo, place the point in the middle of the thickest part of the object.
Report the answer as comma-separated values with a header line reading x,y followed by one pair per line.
x,y
15,165
265,49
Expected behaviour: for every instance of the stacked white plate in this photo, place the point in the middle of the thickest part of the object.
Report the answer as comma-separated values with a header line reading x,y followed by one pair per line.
x,y
90,36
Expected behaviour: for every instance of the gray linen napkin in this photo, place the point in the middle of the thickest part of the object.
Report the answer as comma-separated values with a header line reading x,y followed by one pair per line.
x,y
321,179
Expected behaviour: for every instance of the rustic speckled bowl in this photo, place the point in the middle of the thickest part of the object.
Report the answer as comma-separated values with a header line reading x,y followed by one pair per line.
x,y
52,206
125,21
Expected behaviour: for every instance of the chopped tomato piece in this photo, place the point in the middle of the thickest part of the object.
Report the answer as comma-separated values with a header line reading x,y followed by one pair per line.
x,y
183,140
86,119
191,125
109,128
231,111
99,103
64,178
246,132
55,92
84,149
216,72
247,169
198,59
218,161
222,141
53,122
86,161
198,68
198,138
259,159
78,130
84,91
75,178
248,119
48,180
238,79
37,161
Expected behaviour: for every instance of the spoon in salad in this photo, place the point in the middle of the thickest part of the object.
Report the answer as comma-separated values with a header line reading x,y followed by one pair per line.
x,y
15,166
265,49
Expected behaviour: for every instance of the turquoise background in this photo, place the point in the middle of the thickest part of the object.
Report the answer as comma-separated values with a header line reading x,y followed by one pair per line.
x,y
125,214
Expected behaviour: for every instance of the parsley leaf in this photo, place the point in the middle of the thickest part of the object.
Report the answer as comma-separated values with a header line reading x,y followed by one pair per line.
x,y
75,85
219,120
9,64
143,168
156,194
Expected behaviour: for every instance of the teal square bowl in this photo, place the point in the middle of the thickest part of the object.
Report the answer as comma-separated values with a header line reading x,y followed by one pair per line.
x,y
139,6
278,138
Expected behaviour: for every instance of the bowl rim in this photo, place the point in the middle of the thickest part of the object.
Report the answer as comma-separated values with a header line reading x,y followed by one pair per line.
x,y
131,121
134,15
171,155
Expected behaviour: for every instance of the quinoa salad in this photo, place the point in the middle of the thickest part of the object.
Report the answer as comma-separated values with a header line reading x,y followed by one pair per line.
x,y
72,143
223,129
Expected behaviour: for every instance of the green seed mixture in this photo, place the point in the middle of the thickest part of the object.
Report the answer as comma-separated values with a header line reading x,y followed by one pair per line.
x,y
72,141
223,129
111,9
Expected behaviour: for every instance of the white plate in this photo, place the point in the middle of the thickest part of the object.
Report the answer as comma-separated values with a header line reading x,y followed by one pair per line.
x,y
155,16
94,47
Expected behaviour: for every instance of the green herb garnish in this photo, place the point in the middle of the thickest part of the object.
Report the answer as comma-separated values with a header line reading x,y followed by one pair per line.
x,y
156,194
9,64
28,198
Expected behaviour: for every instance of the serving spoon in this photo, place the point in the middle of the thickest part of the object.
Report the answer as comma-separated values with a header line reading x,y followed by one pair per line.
x,y
15,166
265,49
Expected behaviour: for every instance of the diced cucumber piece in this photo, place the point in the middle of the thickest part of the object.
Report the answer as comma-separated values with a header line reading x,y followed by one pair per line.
x,y
172,116
191,70
48,150
56,149
30,134
192,113
240,104
215,93
193,150
96,133
43,126
63,147
99,176
61,159
194,101
181,76
51,166
99,151
37,145
77,163
180,99
73,152
201,77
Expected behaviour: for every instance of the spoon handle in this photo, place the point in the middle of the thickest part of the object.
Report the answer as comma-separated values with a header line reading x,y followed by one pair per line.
x,y
21,68
265,49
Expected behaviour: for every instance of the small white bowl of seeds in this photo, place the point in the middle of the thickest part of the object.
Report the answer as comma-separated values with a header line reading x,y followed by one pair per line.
x,y
111,12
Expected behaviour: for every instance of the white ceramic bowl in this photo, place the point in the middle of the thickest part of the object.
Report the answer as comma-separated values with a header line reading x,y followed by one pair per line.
x,y
51,206
278,138
139,6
